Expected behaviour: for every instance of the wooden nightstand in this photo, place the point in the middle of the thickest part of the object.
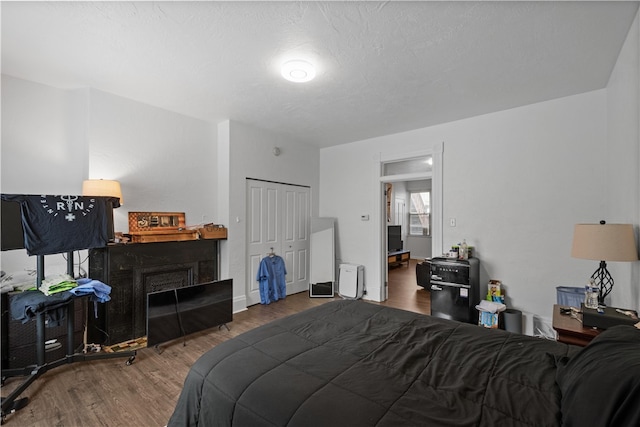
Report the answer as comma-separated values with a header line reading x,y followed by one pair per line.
x,y
570,330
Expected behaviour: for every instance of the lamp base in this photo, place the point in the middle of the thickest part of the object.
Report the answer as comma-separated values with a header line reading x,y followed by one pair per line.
x,y
603,280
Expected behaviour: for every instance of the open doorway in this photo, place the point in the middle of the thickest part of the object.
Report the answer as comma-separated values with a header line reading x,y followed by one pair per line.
x,y
397,171
410,213
408,242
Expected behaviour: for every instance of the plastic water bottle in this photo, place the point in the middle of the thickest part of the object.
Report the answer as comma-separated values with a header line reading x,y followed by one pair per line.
x,y
464,250
591,295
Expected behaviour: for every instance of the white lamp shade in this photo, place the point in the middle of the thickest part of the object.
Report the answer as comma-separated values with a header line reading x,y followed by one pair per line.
x,y
102,187
604,242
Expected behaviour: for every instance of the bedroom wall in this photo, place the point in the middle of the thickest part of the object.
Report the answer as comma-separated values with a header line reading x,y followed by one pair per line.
x,y
623,160
43,150
516,181
246,152
53,139
163,160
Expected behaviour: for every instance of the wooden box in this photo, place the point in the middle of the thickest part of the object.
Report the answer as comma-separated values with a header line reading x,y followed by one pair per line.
x,y
145,227
211,231
156,221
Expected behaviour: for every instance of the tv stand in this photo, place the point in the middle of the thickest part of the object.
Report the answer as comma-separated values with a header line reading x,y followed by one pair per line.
x,y
398,257
11,403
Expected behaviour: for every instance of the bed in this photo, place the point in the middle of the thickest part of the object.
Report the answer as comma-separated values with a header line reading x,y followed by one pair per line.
x,y
354,363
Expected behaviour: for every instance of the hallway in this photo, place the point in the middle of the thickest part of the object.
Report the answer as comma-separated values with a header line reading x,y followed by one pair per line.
x,y
404,292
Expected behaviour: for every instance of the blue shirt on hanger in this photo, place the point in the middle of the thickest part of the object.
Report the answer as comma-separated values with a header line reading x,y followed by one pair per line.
x,y
272,279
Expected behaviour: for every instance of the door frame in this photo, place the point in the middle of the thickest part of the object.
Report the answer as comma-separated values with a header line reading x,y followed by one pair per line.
x,y
380,238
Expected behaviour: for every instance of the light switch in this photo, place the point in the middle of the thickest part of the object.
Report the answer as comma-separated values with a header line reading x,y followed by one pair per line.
x,y
452,222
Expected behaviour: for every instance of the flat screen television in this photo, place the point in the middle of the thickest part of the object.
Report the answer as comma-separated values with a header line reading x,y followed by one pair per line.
x,y
12,232
394,238
12,236
176,313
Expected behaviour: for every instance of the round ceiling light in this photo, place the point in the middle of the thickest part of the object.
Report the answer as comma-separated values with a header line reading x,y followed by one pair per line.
x,y
298,71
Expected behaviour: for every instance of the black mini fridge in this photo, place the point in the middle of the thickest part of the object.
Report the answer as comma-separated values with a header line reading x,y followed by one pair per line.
x,y
455,289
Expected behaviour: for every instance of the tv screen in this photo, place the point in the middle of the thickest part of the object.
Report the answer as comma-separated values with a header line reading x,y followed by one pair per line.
x,y
163,323
394,238
175,313
12,232
12,236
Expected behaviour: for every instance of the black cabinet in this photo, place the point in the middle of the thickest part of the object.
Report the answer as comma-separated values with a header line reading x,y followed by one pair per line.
x,y
455,289
133,271
19,339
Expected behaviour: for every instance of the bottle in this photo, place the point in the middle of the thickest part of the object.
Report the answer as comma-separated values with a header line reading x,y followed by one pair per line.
x,y
591,295
464,250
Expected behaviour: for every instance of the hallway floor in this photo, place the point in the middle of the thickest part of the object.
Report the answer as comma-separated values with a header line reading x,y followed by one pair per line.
x,y
404,292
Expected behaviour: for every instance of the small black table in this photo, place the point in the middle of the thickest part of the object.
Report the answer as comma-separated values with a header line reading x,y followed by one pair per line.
x,y
398,257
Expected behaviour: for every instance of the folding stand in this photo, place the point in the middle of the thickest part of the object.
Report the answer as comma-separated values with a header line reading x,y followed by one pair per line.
x,y
11,403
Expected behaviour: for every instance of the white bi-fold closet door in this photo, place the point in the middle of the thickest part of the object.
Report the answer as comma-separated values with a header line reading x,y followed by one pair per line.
x,y
278,220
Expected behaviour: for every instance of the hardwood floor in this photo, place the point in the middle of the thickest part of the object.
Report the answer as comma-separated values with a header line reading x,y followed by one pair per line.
x,y
109,393
404,292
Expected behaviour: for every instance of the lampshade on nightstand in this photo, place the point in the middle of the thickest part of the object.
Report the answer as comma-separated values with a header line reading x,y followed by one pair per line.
x,y
604,242
102,187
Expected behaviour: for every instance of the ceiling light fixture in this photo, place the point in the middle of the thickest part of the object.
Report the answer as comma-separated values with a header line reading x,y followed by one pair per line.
x,y
298,71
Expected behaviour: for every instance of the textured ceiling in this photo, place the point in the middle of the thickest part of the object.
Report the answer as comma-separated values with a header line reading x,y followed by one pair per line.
x,y
383,67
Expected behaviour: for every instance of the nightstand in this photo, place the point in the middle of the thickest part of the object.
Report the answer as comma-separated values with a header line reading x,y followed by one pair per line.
x,y
570,330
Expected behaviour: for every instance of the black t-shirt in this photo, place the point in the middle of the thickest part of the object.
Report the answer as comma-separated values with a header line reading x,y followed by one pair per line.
x,y
64,223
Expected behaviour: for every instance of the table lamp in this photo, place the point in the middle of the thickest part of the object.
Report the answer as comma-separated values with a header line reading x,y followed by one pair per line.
x,y
102,187
604,242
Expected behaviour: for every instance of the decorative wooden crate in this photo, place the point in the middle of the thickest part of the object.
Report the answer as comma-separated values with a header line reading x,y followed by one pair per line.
x,y
145,227
211,231
156,221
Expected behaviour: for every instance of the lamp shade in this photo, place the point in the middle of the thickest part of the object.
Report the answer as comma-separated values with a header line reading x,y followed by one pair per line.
x,y
102,187
604,242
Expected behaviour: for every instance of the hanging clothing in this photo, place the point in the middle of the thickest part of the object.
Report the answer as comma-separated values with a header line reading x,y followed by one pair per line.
x,y
26,305
272,279
56,224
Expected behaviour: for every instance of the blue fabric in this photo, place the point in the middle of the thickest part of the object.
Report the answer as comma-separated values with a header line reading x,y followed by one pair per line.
x,y
272,279
28,304
99,291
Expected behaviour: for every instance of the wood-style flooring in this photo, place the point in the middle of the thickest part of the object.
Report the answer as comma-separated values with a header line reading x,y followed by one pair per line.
x,y
110,393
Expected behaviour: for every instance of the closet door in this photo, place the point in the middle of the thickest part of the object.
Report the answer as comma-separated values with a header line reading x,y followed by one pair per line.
x,y
295,237
278,220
